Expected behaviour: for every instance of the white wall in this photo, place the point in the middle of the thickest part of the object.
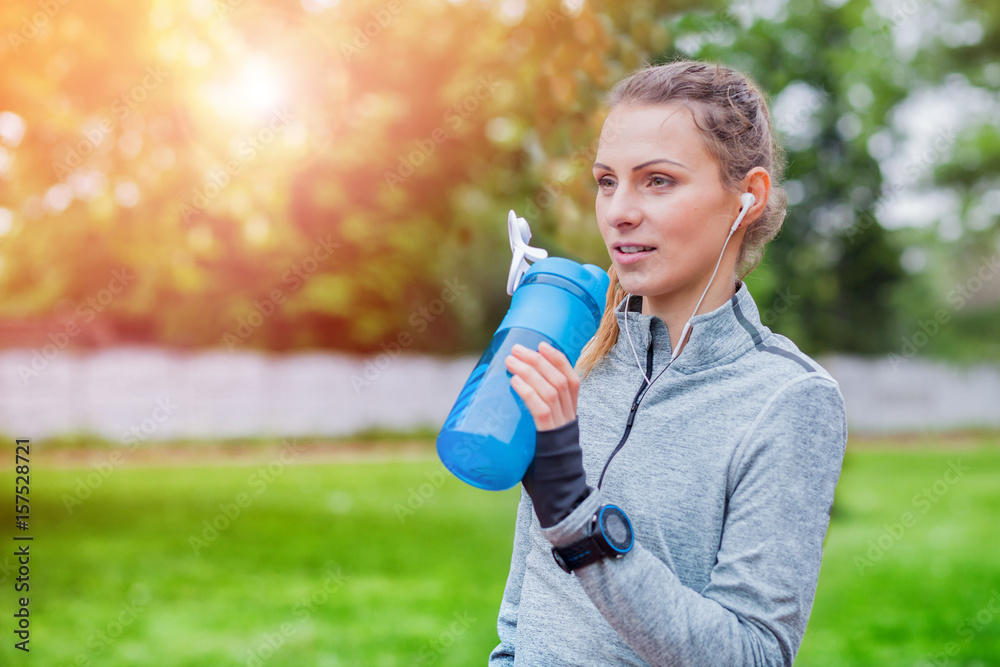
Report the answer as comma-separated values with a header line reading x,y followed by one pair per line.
x,y
222,394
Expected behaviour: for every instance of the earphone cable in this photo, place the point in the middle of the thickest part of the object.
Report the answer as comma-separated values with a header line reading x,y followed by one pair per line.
x,y
686,326
634,354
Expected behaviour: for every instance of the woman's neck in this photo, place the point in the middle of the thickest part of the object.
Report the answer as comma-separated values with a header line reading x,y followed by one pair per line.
x,y
676,310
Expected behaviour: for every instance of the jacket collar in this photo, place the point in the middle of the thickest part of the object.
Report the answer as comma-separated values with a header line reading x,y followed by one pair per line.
x,y
717,337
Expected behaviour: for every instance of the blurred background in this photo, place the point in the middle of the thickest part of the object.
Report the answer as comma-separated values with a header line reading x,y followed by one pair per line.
x,y
250,251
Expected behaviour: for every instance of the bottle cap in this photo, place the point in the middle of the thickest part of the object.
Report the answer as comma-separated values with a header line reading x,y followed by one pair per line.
x,y
519,234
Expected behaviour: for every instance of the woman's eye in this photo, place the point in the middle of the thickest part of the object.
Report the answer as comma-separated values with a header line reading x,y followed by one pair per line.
x,y
659,180
605,182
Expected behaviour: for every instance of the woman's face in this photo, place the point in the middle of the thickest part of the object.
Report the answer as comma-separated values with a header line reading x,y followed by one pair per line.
x,y
659,188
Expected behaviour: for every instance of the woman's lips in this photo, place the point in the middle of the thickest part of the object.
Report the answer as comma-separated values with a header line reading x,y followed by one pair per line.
x,y
632,257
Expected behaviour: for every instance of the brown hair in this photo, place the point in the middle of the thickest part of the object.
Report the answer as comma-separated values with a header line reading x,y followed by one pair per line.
x,y
732,114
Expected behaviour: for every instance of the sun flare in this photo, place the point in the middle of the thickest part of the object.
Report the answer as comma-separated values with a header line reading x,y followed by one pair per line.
x,y
254,89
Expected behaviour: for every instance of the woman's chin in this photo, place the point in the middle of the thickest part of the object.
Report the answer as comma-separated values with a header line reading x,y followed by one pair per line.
x,y
635,282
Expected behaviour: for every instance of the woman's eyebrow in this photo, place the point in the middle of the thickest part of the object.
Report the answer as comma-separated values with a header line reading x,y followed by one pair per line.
x,y
598,165
646,164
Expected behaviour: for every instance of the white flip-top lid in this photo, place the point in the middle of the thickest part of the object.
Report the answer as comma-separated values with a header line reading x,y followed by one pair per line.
x,y
520,234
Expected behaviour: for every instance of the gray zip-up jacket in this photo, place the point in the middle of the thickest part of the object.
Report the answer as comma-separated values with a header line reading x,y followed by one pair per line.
x,y
727,474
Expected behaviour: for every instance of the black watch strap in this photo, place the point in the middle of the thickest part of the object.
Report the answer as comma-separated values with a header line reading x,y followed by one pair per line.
x,y
579,554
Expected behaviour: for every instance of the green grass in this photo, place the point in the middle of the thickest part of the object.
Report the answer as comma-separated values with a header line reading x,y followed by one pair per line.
x,y
321,565
407,586
911,603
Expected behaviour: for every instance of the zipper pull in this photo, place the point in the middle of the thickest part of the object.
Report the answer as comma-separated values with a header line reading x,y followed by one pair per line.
x,y
631,414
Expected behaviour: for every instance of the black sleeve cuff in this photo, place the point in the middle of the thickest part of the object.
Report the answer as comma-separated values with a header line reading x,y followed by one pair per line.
x,y
555,480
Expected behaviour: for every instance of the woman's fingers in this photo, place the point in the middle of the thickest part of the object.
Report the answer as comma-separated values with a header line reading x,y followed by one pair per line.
x,y
547,384
533,390
549,381
539,410
561,363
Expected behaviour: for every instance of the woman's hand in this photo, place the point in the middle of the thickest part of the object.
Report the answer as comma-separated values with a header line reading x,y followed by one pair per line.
x,y
546,382
548,385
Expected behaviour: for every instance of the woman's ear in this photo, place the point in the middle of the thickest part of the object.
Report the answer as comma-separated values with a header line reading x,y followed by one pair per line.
x,y
758,183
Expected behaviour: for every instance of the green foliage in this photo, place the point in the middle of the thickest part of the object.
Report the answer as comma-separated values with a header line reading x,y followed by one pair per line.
x,y
841,266
399,136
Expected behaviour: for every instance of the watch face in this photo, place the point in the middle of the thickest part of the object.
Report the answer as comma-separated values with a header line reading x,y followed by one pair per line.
x,y
616,528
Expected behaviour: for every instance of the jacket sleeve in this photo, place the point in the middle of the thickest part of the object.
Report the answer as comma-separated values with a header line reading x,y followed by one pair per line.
x,y
503,654
756,605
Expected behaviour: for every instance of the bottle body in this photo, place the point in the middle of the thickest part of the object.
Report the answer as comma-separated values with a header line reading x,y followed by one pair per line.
x,y
488,439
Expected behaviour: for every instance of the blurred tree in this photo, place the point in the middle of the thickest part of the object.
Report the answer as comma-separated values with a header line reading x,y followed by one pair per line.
x,y
282,176
338,174
839,73
831,255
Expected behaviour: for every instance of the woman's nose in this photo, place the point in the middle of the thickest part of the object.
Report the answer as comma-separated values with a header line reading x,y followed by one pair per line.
x,y
623,209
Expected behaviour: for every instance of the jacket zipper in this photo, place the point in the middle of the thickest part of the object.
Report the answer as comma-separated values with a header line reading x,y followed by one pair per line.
x,y
631,413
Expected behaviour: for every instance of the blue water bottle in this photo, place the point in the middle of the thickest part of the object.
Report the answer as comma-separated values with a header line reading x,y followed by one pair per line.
x,y
488,439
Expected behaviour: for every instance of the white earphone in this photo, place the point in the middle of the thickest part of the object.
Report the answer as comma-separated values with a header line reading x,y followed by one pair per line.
x,y
746,200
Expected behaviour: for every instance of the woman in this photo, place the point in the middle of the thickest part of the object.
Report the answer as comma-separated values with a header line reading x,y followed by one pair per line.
x,y
719,442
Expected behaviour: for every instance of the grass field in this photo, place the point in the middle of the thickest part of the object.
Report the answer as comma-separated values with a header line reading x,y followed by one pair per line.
x,y
396,563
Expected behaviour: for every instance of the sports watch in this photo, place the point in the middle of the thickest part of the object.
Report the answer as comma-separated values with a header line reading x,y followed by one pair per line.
x,y
608,536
